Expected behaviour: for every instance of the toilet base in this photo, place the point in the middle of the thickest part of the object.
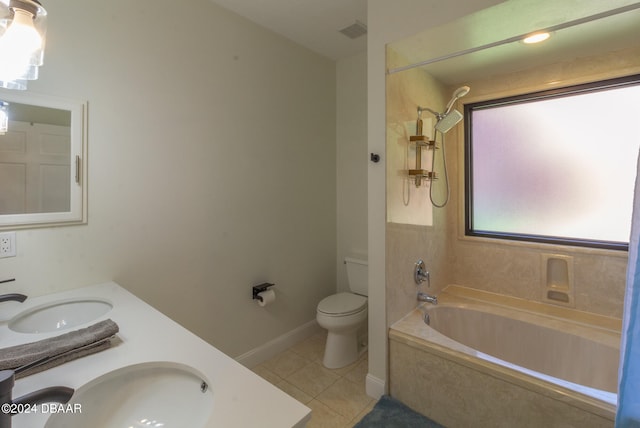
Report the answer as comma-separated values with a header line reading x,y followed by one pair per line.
x,y
341,349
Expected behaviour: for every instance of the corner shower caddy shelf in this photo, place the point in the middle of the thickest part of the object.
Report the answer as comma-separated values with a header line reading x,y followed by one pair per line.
x,y
420,142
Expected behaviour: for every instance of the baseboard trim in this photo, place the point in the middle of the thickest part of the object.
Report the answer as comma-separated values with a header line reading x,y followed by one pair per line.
x,y
375,386
272,348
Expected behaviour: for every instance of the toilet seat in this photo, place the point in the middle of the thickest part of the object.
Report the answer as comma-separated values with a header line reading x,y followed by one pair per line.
x,y
342,304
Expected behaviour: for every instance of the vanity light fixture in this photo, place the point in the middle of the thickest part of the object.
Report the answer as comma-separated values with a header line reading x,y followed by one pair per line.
x,y
536,38
22,39
4,117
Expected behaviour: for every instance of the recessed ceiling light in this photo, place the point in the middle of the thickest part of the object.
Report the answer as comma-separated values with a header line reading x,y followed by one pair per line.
x,y
536,38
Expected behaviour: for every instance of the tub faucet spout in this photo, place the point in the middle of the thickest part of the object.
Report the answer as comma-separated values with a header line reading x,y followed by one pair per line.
x,y
424,297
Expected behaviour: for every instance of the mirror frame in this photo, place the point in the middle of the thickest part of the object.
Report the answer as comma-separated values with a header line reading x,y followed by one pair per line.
x,y
78,161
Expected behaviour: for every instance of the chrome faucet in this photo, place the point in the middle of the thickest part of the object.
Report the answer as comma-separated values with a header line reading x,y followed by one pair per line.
x,y
424,297
15,297
59,394
420,275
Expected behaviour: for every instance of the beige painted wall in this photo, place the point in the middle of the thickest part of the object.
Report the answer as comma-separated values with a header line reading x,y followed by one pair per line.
x,y
513,269
212,167
351,162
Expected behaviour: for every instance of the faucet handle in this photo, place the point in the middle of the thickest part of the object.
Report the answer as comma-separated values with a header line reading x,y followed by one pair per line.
x,y
421,274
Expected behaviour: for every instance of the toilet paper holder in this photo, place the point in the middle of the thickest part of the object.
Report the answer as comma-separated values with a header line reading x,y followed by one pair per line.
x,y
257,289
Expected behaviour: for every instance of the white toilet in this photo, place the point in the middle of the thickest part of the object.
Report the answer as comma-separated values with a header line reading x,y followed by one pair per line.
x,y
343,315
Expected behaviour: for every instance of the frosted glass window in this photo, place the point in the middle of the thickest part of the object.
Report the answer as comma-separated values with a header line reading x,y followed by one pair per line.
x,y
555,167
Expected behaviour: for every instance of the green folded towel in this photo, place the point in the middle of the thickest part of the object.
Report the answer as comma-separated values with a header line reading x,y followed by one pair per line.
x,y
57,350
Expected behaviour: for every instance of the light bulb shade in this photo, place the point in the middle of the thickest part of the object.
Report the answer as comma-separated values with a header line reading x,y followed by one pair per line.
x,y
16,84
22,39
4,117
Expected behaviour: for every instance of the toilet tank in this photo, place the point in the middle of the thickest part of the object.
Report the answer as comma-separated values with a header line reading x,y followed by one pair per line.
x,y
357,275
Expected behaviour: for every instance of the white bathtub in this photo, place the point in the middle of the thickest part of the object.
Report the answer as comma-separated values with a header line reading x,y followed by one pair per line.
x,y
490,360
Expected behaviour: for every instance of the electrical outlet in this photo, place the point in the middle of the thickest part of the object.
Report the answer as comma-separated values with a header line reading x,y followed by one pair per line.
x,y
7,244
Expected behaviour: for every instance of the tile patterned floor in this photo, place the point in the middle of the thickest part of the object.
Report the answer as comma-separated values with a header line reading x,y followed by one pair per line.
x,y
337,397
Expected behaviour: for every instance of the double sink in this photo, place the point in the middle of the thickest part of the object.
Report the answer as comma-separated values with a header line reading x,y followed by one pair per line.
x,y
155,374
153,394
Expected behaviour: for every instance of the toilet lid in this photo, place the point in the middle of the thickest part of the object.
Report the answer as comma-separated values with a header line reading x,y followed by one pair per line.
x,y
342,304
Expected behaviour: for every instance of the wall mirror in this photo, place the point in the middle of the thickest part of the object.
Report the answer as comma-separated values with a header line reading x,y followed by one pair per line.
x,y
43,170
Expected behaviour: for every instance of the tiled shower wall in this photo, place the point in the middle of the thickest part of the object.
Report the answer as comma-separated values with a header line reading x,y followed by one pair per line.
x,y
513,269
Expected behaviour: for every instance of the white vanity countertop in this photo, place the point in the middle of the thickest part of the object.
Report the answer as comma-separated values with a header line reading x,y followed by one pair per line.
x,y
242,399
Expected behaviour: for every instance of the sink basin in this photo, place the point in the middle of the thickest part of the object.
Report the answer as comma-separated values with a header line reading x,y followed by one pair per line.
x,y
156,394
59,315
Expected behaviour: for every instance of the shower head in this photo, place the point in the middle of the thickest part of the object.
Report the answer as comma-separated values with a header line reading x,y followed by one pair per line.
x,y
461,91
458,93
448,121
449,118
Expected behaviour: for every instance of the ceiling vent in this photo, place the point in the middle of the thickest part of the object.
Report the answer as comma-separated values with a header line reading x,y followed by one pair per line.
x,y
355,30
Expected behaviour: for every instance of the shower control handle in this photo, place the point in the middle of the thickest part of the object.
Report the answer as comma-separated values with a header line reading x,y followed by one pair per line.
x,y
421,274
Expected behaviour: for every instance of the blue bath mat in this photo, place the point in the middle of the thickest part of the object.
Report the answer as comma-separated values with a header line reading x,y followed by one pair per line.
x,y
391,413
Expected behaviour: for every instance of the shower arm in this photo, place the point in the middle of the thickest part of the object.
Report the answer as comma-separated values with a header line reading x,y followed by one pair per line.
x,y
457,94
435,113
438,116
